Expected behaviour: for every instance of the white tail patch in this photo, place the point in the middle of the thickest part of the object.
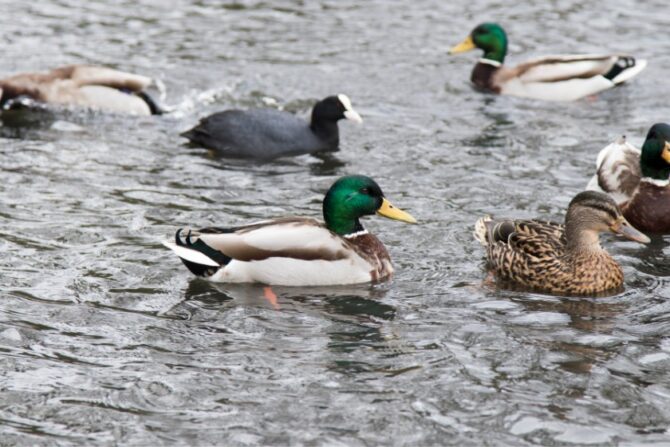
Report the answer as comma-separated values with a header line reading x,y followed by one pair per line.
x,y
480,229
640,64
188,254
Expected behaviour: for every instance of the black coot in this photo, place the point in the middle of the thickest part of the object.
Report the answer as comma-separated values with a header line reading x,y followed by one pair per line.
x,y
269,133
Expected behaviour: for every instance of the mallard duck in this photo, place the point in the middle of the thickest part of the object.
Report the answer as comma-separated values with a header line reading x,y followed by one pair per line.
x,y
89,86
555,258
552,78
639,181
270,133
298,251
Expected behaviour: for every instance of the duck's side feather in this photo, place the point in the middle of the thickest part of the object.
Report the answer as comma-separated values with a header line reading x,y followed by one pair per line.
x,y
618,171
81,85
562,77
289,251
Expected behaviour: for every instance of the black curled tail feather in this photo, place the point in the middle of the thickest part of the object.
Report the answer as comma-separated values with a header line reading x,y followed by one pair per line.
x,y
501,231
154,107
198,245
621,64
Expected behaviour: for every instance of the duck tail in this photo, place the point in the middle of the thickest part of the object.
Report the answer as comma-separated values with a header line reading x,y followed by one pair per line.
x,y
481,229
625,68
197,256
154,107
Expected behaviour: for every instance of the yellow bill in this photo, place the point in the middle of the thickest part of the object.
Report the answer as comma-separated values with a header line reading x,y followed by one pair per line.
x,y
467,45
388,210
666,152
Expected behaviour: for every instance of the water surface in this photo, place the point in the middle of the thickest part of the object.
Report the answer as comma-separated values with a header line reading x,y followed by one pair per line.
x,y
106,339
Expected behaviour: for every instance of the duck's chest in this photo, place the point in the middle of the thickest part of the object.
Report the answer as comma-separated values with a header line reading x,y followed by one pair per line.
x,y
482,76
370,248
649,209
591,273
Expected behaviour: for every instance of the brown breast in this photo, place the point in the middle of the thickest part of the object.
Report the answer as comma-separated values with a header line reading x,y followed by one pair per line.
x,y
649,209
370,248
482,77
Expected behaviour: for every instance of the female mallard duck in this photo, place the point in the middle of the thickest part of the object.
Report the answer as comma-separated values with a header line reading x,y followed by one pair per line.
x,y
639,181
298,251
552,78
94,87
555,258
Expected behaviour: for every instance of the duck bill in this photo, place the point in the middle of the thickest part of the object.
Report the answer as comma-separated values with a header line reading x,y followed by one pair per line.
x,y
623,228
467,45
666,152
388,210
352,115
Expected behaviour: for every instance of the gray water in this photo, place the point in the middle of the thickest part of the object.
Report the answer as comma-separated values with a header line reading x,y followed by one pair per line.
x,y
106,339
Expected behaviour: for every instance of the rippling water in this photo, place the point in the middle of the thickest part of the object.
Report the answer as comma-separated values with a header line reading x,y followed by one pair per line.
x,y
106,339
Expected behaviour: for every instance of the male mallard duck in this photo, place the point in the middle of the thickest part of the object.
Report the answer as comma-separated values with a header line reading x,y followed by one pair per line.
x,y
639,181
552,78
82,85
298,251
270,133
555,258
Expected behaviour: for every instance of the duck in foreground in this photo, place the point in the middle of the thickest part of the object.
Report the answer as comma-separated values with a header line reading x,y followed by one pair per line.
x,y
97,88
269,133
639,181
563,259
551,78
298,251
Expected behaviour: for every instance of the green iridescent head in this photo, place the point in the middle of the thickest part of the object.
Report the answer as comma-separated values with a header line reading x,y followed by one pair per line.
x,y
655,157
489,37
353,197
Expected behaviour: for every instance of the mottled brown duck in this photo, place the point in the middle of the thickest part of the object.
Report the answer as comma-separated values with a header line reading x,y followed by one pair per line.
x,y
559,258
639,181
298,251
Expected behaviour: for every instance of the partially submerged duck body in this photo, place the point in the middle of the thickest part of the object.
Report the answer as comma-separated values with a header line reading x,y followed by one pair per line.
x,y
93,87
298,251
559,258
638,180
551,78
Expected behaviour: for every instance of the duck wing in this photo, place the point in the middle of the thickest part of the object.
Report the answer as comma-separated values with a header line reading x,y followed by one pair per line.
x,y
568,77
293,238
618,171
522,249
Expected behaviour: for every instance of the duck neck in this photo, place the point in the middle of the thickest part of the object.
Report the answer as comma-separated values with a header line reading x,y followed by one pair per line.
x,y
496,55
655,173
344,226
580,240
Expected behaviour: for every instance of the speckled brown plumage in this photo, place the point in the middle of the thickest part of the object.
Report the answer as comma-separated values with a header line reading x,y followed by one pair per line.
x,y
534,254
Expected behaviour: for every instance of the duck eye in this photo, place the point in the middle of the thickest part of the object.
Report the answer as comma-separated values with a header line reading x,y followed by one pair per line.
x,y
365,191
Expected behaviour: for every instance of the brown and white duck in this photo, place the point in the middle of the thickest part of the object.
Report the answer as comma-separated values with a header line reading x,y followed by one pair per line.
x,y
298,251
551,78
639,181
94,87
